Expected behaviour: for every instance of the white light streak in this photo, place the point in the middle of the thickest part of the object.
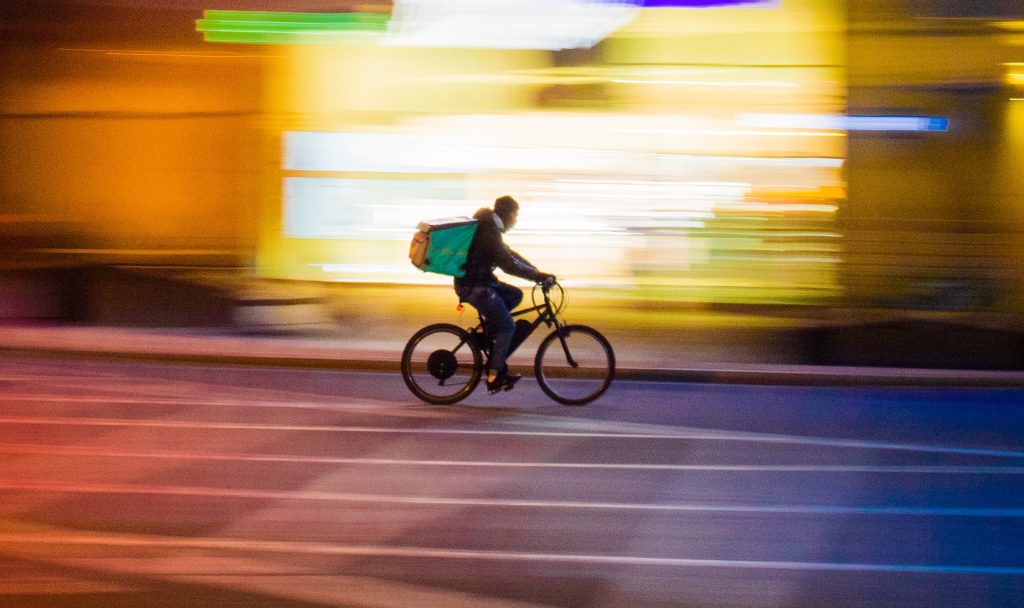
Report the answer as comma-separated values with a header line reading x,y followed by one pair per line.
x,y
506,24
735,132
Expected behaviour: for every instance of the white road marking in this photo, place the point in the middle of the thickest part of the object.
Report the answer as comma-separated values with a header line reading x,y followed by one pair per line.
x,y
72,450
682,434
348,404
348,497
389,551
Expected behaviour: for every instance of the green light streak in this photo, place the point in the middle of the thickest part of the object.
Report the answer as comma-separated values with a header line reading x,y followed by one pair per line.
x,y
263,27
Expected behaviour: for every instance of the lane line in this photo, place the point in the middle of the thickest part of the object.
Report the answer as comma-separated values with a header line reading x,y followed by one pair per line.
x,y
732,435
391,551
66,450
347,497
681,435
183,401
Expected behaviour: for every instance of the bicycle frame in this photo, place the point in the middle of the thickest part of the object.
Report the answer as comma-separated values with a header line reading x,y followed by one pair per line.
x,y
546,314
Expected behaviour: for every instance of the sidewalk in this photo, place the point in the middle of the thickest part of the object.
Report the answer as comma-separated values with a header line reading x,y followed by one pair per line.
x,y
636,360
229,317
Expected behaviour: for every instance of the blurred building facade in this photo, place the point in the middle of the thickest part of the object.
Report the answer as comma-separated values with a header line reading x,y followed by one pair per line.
x,y
684,154
935,222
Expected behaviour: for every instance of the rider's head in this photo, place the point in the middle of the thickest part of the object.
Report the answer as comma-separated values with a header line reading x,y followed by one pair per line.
x,y
507,209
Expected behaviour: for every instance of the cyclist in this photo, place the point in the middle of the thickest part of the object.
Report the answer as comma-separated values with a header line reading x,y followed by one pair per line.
x,y
482,289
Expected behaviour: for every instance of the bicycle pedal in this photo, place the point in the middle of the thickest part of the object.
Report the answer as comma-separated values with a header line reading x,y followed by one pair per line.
x,y
505,384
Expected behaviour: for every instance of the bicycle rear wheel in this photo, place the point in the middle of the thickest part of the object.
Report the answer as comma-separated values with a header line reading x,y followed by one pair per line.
x,y
440,364
579,372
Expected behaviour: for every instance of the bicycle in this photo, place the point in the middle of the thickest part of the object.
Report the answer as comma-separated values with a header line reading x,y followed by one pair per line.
x,y
442,363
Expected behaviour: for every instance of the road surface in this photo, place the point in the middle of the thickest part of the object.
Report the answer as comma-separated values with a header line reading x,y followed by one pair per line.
x,y
178,485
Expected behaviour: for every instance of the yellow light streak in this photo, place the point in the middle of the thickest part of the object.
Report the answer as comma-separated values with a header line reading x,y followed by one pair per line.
x,y
513,78
706,83
776,207
169,54
140,252
615,75
1010,26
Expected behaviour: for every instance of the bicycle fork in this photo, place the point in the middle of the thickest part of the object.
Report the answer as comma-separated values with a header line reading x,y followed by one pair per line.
x,y
562,334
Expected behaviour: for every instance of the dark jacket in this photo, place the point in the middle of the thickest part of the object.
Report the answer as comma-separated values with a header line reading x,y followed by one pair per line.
x,y
489,251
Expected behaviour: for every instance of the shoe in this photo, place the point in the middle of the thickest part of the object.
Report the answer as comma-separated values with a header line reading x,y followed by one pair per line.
x,y
504,382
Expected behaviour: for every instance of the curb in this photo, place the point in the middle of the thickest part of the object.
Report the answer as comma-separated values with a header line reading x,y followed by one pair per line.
x,y
750,374
822,376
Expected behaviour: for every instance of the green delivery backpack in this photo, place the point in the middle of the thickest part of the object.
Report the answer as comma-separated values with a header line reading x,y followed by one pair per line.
x,y
442,245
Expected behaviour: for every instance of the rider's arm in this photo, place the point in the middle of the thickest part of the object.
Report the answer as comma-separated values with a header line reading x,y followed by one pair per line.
x,y
516,265
519,258
543,277
513,263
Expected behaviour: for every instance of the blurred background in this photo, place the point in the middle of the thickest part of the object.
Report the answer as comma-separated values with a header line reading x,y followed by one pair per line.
x,y
839,154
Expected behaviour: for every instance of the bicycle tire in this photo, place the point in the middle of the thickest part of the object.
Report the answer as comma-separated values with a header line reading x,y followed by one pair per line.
x,y
575,385
434,356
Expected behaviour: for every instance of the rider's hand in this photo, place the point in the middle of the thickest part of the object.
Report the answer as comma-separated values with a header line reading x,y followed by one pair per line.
x,y
547,279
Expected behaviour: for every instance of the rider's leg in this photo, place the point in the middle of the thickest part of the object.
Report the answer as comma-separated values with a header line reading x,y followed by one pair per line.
x,y
509,294
492,306
513,296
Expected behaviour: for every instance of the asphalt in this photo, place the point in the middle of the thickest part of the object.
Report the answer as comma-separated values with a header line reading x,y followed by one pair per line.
x,y
637,359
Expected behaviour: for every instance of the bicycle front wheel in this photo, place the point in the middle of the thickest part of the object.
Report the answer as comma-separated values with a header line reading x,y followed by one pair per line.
x,y
440,364
574,365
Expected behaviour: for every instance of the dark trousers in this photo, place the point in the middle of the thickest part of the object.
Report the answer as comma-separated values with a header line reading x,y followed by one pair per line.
x,y
494,301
